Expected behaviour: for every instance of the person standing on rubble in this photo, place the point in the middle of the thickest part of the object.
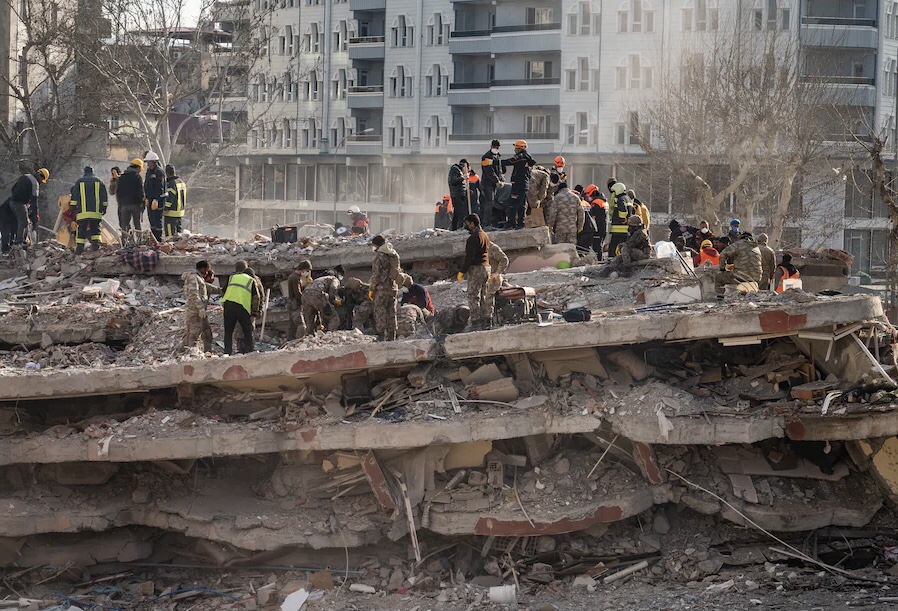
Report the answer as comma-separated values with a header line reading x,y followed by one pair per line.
x,y
784,271
521,162
319,300
129,196
740,262
386,278
89,202
492,177
154,193
240,303
640,209
586,235
459,191
175,202
442,214
540,190
358,221
477,266
296,283
768,262
566,217
620,210
8,225
23,202
197,288
498,265
598,210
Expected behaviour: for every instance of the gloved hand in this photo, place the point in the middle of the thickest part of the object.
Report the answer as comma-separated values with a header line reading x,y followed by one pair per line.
x,y
73,226
154,205
371,295
338,302
460,276
500,184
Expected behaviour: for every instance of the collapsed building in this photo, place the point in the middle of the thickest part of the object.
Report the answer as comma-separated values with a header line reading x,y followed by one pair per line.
x,y
777,410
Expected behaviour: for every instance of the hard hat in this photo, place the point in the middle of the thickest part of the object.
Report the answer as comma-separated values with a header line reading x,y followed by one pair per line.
x,y
735,222
353,210
590,190
634,221
151,156
45,173
559,162
138,162
706,244
520,144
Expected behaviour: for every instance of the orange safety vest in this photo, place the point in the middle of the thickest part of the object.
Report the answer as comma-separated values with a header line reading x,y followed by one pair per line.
x,y
703,256
785,276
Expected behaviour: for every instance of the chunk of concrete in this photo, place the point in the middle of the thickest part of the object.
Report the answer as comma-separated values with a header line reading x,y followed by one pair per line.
x,y
502,390
466,455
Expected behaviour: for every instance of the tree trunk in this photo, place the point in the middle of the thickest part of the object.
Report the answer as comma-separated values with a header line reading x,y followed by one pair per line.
x,y
776,224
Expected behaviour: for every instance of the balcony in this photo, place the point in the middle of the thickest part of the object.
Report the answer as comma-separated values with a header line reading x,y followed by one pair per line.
x,y
842,33
371,96
364,144
367,5
469,94
521,38
367,48
470,42
526,92
846,90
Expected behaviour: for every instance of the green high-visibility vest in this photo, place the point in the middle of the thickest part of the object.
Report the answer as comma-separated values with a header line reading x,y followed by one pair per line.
x,y
240,290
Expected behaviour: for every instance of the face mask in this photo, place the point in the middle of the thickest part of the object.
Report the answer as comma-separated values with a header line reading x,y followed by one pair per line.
x,y
704,230
494,151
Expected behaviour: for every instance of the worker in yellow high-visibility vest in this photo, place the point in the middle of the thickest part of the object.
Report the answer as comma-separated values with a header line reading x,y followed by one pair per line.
x,y
89,201
175,201
242,300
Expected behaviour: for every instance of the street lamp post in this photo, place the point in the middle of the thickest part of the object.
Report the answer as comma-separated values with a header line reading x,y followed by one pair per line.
x,y
336,150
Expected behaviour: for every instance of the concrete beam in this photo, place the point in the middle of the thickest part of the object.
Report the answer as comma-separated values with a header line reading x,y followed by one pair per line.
x,y
243,370
699,321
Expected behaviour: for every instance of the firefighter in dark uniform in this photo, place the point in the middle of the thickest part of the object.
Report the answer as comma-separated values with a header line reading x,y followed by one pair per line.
x,y
154,192
89,202
175,200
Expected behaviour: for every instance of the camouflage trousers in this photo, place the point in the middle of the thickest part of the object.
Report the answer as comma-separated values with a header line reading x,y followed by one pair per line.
x,y
317,309
565,237
478,277
297,322
492,286
198,326
385,314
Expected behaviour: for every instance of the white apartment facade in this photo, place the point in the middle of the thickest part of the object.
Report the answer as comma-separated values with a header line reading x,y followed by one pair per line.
x,y
382,95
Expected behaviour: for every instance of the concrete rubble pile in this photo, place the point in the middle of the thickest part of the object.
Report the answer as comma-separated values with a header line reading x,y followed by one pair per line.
x,y
656,438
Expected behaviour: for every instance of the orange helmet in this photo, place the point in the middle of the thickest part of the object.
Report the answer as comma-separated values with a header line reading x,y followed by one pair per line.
x,y
521,144
591,190
559,162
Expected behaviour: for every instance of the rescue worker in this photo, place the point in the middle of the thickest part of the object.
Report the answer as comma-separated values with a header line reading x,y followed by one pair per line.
x,y
636,248
784,271
702,233
175,202
319,300
558,169
358,220
538,191
356,311
521,163
409,318
566,217
474,190
768,262
418,295
23,202
586,235
734,234
154,193
620,210
707,254
739,262
113,180
641,209
451,320
297,281
130,197
477,266
240,303
598,210
498,265
8,225
89,202
386,278
197,288
680,245
458,191
442,215
492,177
676,230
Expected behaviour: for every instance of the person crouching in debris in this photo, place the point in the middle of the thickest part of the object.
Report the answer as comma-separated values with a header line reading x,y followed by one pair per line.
x,y
740,262
417,294
356,310
477,266
409,318
297,282
386,277
197,288
241,302
451,320
636,248
319,300
89,201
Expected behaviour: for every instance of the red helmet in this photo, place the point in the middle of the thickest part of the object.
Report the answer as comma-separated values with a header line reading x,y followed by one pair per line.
x,y
559,162
591,190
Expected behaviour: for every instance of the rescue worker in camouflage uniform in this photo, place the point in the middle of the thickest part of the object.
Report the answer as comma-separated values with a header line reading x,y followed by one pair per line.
x,y
356,306
636,248
386,278
409,319
297,282
318,301
540,189
740,262
498,265
566,216
197,288
451,320
477,266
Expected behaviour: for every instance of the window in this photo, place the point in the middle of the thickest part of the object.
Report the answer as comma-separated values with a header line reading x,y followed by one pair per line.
x,y
339,85
435,135
582,78
636,16
311,87
438,30
403,35
400,133
537,124
628,132
291,46
437,83
310,134
758,19
401,83
633,74
582,128
538,70
539,16
314,39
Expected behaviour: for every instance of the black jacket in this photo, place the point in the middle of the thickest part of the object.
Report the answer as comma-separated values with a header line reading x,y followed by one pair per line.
x,y
520,174
130,189
477,250
492,169
457,183
600,215
154,185
26,189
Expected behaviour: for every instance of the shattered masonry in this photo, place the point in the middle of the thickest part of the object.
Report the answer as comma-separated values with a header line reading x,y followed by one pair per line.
x,y
783,405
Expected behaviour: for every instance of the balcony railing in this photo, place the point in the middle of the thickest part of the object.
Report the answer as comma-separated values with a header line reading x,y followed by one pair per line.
x,y
365,89
366,40
525,27
843,21
481,85
517,136
365,138
526,82
839,80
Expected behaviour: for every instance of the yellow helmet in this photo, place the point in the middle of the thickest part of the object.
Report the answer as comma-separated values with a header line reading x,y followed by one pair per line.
x,y
44,173
521,144
138,162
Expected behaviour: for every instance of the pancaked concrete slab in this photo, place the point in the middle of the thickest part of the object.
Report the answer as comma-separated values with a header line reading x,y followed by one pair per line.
x,y
698,321
247,370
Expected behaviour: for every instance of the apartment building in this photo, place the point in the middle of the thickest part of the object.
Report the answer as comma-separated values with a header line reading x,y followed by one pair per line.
x,y
375,98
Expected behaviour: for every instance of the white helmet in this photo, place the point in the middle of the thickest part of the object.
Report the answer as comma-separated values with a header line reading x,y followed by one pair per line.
x,y
151,156
353,210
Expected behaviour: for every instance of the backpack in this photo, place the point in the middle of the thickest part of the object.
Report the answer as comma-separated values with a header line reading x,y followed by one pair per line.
x,y
577,315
